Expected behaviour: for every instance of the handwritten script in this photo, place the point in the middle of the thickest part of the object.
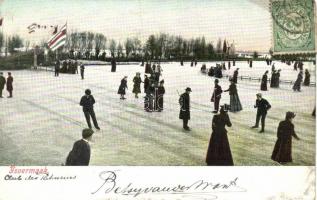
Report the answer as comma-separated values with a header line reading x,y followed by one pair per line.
x,y
198,189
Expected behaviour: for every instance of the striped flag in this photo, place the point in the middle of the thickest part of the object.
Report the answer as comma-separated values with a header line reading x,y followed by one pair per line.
x,y
59,39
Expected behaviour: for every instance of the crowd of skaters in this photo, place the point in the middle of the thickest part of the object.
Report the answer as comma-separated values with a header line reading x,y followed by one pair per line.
x,y
154,91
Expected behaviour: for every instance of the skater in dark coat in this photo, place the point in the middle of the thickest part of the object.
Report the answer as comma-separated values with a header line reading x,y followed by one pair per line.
x,y
298,82
184,114
57,68
10,85
160,95
182,62
2,83
235,76
235,104
216,96
264,81
137,85
80,154
262,106
250,63
122,87
211,71
273,79
219,153
113,65
282,152
148,69
149,98
146,83
277,78
307,78
82,71
87,102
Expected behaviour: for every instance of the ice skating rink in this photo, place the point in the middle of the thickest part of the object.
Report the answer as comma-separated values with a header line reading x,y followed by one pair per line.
x,y
43,120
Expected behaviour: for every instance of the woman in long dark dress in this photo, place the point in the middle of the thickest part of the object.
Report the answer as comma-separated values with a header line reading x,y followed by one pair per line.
x,y
277,78
307,78
273,79
298,82
264,81
122,87
219,153
137,85
235,104
282,152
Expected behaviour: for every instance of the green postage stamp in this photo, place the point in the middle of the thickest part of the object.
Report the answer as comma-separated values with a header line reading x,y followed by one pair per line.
x,y
293,26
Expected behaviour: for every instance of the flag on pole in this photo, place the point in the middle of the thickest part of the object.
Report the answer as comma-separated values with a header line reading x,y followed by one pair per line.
x,y
1,21
59,39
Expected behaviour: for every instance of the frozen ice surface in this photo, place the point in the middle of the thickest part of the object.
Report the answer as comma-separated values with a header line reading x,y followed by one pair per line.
x,y
43,120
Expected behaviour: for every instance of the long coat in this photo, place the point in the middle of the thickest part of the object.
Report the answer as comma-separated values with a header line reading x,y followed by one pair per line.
x,y
307,78
122,87
113,66
264,83
283,147
298,82
137,85
184,101
10,83
235,104
235,76
219,152
79,155
2,82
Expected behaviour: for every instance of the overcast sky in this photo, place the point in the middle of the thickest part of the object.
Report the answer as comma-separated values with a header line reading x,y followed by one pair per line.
x,y
248,23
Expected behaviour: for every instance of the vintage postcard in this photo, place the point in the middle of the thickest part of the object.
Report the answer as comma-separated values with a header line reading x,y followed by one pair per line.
x,y
157,99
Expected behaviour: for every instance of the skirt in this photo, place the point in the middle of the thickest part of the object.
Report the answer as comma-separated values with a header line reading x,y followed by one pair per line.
x,y
235,104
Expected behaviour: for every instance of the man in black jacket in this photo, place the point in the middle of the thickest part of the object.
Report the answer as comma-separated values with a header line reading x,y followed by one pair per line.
x,y
80,154
216,96
263,106
2,83
87,102
184,114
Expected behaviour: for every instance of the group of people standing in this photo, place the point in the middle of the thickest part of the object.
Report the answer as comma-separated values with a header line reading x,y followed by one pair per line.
x,y
153,88
8,82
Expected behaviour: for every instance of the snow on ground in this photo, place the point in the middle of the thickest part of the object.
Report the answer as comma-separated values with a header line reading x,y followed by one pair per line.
x,y
39,125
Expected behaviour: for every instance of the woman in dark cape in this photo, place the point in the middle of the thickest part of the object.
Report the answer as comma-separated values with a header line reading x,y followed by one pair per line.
x,y
219,153
235,104
307,78
122,87
137,85
282,152
264,81
298,82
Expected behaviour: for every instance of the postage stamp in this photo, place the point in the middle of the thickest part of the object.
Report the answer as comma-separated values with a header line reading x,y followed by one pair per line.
x,y
293,25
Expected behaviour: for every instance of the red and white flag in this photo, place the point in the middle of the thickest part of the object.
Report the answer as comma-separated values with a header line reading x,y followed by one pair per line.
x,y
59,39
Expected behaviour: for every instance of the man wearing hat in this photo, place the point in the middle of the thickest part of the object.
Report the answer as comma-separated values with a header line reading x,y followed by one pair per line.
x,y
87,102
184,114
263,106
216,96
2,83
80,154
